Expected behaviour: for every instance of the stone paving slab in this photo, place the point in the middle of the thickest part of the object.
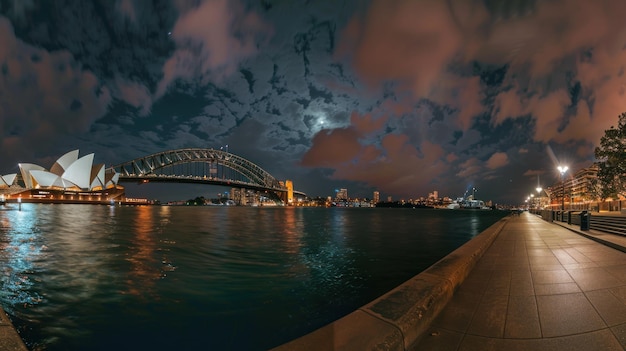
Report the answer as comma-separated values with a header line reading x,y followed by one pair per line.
x,y
540,286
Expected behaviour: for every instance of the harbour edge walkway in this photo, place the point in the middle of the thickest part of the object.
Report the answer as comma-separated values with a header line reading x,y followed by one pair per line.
x,y
10,340
540,286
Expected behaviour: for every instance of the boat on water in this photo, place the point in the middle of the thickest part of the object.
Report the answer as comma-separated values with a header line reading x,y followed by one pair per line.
x,y
455,204
475,205
468,204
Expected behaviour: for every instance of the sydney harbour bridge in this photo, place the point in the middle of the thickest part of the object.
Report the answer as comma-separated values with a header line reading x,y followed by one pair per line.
x,y
204,166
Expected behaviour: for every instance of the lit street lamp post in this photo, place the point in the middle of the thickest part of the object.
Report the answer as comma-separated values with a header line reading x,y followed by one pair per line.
x,y
562,170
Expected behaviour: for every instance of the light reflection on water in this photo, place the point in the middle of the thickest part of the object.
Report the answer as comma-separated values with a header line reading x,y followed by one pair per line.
x,y
144,270
17,254
78,277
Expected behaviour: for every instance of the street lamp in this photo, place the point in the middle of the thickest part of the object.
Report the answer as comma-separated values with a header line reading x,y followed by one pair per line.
x,y
562,170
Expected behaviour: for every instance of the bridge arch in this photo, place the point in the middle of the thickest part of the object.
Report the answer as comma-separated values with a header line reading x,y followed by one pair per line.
x,y
151,168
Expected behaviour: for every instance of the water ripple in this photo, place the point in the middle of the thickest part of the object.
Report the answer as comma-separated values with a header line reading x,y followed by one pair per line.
x,y
165,278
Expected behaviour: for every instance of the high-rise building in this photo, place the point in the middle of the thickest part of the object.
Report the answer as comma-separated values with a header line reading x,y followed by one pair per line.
x,y
376,197
238,195
342,194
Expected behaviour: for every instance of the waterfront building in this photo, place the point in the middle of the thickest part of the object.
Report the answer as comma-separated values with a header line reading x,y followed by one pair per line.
x,y
70,178
582,185
576,191
434,196
376,197
238,195
7,180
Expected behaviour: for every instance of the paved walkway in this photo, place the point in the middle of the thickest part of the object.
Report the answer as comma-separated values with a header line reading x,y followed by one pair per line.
x,y
617,242
540,286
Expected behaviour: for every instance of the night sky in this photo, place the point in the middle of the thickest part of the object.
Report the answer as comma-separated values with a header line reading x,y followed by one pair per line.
x,y
400,96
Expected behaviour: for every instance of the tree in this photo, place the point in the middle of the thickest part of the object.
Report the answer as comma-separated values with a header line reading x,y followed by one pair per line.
x,y
593,190
611,156
198,201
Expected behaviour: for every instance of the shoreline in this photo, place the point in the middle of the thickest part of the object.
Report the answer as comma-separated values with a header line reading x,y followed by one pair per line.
x,y
77,202
10,339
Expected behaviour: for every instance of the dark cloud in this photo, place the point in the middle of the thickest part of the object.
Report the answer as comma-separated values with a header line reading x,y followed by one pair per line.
x,y
46,96
404,97
211,40
536,50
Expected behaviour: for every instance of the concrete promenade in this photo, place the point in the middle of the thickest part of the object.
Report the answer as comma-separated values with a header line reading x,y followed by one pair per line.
x,y
540,286
9,338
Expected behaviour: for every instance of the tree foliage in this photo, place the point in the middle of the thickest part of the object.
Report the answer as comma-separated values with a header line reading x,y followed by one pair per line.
x,y
198,201
611,156
593,190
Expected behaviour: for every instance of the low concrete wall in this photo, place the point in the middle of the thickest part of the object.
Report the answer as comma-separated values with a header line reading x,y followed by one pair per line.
x,y
396,320
9,338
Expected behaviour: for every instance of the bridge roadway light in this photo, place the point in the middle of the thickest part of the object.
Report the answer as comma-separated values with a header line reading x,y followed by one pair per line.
x,y
562,170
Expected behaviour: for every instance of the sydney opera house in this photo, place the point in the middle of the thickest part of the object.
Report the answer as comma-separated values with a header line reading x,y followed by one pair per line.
x,y
70,179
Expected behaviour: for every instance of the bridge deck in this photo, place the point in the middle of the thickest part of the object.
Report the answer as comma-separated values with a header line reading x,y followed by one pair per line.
x,y
540,286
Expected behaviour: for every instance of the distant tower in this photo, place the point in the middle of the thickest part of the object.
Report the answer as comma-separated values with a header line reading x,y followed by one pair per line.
x,y
376,197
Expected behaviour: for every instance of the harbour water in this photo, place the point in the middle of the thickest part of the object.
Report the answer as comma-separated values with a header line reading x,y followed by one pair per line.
x,y
88,277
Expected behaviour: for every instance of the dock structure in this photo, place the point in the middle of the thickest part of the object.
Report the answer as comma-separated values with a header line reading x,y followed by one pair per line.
x,y
540,286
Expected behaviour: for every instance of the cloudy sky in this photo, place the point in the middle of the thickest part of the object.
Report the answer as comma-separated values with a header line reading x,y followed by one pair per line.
x,y
400,96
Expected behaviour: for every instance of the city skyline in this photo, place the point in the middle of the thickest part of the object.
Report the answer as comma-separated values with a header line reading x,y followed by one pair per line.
x,y
390,96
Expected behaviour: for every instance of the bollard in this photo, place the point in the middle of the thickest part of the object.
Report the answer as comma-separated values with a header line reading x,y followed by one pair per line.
x,y
585,220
